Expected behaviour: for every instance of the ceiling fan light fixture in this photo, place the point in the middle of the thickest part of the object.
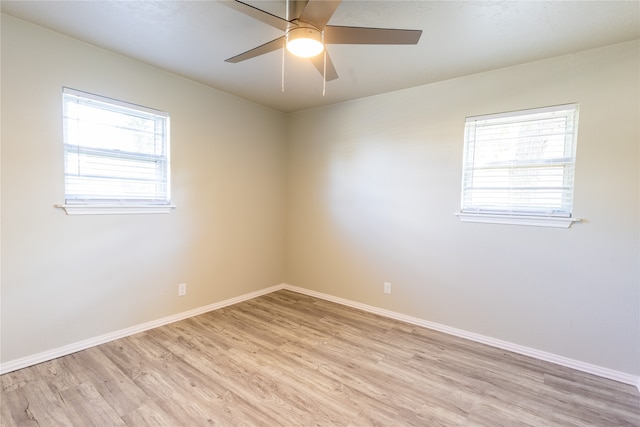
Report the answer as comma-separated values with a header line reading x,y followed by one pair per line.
x,y
304,42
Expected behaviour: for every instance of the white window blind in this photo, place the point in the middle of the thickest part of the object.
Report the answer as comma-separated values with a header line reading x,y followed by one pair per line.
x,y
520,163
115,152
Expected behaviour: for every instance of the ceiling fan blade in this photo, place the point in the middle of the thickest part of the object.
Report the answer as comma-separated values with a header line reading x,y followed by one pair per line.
x,y
318,62
260,50
363,35
260,15
318,12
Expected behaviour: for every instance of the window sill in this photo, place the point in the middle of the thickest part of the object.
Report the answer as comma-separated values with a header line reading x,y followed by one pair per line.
x,y
115,209
535,221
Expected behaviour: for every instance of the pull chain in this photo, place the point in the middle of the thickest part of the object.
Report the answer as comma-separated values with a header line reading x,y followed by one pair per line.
x,y
284,45
324,71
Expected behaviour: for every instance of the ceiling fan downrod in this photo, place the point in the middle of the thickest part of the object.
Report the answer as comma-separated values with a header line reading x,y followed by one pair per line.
x,y
293,9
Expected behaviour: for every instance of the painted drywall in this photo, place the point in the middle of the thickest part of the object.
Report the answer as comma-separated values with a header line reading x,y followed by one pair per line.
x,y
374,185
70,278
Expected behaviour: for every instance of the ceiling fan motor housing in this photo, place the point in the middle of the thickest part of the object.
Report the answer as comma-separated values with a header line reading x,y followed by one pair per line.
x,y
305,40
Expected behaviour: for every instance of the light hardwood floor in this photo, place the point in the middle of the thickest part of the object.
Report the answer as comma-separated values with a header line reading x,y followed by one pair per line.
x,y
286,359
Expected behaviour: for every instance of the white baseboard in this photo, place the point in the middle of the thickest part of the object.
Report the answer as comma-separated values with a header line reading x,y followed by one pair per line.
x,y
505,345
92,342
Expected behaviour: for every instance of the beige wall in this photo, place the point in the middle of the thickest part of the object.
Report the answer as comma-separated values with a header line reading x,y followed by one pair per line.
x,y
70,278
374,184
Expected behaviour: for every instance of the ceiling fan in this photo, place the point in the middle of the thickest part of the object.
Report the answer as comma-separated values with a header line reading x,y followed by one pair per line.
x,y
307,33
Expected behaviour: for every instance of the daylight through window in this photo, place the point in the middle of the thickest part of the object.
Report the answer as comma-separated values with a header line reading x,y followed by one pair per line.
x,y
115,152
520,163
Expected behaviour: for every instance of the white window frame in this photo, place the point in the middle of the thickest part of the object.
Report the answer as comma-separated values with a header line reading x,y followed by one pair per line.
x,y
490,195
88,193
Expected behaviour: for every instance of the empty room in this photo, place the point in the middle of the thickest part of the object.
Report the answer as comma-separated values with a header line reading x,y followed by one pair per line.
x,y
429,218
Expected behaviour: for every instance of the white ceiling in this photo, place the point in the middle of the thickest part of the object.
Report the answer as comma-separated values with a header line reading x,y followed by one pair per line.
x,y
193,38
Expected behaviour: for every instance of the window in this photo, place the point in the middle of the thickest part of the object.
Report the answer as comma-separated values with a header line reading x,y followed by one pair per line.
x,y
518,167
116,156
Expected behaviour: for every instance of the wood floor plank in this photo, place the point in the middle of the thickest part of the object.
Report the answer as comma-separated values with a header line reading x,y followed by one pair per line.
x,y
85,406
35,403
57,376
151,414
10,410
117,389
286,359
16,379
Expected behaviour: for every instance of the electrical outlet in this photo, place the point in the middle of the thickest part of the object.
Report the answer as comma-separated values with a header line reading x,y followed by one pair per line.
x,y
387,287
182,289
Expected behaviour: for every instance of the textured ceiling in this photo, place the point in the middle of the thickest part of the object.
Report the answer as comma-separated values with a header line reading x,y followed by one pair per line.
x,y
193,38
